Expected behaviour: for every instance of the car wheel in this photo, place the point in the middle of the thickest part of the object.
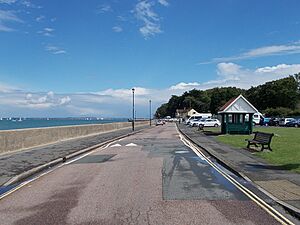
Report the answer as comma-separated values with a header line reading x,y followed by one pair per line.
x,y
216,125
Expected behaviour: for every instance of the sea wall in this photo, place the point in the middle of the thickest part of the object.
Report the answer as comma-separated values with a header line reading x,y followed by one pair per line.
x,y
12,140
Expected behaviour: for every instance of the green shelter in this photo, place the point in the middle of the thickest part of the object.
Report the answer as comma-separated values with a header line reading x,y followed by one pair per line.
x,y
237,116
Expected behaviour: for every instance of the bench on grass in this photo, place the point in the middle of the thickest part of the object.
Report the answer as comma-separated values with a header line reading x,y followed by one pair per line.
x,y
261,138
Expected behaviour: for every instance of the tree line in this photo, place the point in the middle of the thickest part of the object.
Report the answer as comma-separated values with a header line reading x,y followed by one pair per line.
x,y
275,98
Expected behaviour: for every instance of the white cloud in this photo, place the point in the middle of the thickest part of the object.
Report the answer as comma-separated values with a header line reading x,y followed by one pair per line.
x,y
104,8
231,74
163,2
117,102
4,88
228,69
65,100
29,4
281,68
185,86
55,50
117,29
44,101
121,18
47,31
150,20
8,17
7,1
5,28
40,18
287,49
124,93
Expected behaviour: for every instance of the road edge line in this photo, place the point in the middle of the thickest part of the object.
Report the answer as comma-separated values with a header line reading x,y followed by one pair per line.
x,y
265,206
291,209
24,175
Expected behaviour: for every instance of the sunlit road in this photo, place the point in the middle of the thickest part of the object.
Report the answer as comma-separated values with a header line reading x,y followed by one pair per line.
x,y
158,181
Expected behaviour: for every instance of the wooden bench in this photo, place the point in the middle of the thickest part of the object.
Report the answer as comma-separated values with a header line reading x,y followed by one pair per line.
x,y
264,139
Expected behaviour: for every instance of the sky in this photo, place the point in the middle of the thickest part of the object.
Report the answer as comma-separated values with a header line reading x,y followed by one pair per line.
x,y
82,58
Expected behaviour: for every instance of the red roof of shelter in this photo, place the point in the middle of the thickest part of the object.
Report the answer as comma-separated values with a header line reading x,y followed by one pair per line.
x,y
227,104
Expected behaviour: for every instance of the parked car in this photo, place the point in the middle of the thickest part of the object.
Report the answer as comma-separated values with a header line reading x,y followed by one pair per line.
x,y
265,121
196,123
274,122
293,123
198,117
210,123
284,121
159,123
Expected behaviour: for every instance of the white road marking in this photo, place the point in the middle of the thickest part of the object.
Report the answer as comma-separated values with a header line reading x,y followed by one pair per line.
x,y
131,145
115,145
24,183
278,216
181,152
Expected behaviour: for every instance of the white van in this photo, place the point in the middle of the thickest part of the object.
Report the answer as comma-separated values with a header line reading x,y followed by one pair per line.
x,y
257,117
198,117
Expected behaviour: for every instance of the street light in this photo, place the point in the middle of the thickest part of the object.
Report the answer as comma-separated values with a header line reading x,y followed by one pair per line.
x,y
133,108
150,116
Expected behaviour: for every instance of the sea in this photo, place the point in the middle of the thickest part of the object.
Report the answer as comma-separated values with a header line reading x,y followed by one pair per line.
x,y
23,123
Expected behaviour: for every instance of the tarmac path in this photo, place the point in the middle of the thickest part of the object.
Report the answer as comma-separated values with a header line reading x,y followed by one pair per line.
x,y
155,179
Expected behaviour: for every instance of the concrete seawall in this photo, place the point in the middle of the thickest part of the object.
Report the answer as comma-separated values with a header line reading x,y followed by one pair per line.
x,y
12,140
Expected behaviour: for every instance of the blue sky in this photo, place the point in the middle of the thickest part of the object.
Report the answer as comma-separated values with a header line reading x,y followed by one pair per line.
x,y
77,58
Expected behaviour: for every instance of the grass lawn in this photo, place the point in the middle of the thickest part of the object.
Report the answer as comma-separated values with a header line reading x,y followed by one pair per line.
x,y
285,145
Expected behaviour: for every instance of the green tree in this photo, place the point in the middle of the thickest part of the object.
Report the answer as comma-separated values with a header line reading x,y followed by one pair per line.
x,y
219,96
161,111
283,94
279,93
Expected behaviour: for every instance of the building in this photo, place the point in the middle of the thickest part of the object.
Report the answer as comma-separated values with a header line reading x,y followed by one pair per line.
x,y
192,112
237,116
184,113
181,113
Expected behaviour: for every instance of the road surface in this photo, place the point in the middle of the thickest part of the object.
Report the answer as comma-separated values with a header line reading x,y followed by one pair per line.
x,y
147,178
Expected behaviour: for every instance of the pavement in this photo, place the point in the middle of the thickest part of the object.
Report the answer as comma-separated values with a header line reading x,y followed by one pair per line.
x,y
281,184
16,163
151,177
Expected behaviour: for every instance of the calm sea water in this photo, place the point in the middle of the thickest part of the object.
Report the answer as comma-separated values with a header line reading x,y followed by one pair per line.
x,y
34,123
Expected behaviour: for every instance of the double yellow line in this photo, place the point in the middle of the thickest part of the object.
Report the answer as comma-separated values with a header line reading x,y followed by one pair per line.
x,y
278,216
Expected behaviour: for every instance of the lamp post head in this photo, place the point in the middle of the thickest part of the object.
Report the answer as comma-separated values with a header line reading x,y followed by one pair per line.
x,y
133,90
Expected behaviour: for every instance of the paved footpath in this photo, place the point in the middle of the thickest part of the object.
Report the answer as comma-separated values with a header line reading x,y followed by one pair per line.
x,y
18,162
148,178
282,184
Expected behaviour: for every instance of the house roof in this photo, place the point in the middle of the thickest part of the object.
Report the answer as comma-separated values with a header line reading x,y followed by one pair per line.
x,y
238,105
192,110
182,110
227,104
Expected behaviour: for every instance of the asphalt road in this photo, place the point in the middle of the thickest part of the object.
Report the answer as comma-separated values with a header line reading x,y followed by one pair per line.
x,y
15,163
154,180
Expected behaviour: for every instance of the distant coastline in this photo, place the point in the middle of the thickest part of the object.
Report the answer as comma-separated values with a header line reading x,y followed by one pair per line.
x,y
13,123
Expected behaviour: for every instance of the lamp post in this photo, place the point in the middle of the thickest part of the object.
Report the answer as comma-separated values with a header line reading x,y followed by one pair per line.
x,y
133,108
150,116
